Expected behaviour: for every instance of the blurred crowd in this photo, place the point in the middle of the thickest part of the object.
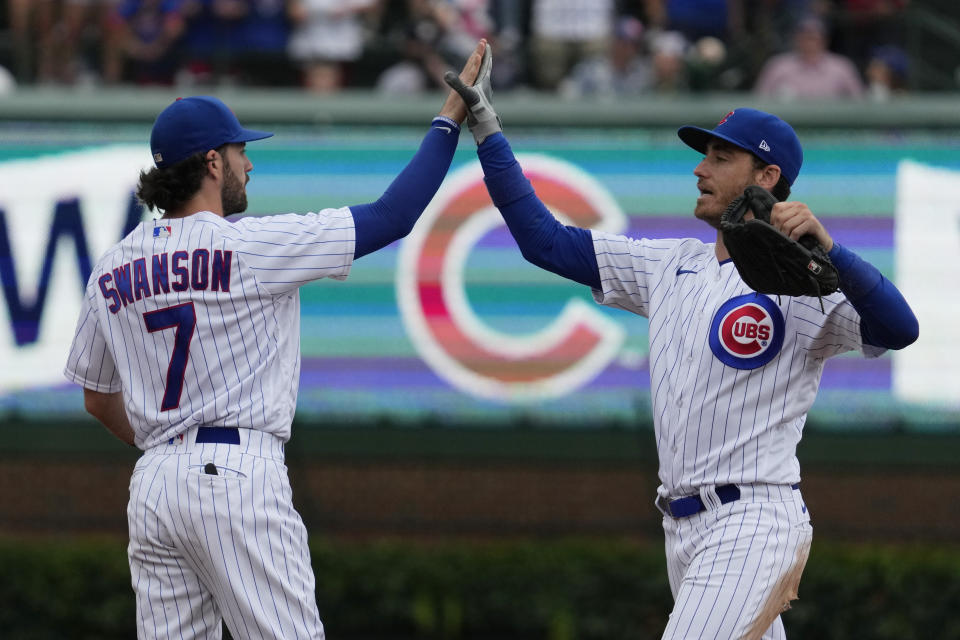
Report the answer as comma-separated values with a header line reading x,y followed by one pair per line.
x,y
608,48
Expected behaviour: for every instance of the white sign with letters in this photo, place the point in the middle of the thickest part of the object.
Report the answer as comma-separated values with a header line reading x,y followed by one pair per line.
x,y
43,282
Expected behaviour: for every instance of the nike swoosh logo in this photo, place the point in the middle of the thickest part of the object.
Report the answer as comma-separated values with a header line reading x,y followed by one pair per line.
x,y
447,129
682,271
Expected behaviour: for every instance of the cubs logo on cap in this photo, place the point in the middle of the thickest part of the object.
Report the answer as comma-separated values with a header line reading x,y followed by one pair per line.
x,y
762,134
747,331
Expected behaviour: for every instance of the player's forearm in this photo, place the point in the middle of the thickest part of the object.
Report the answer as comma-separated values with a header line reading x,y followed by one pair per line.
x,y
392,216
543,241
886,319
108,409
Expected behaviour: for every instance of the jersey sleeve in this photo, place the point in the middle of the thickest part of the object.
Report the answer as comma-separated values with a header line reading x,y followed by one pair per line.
x,y
830,331
89,362
629,269
287,251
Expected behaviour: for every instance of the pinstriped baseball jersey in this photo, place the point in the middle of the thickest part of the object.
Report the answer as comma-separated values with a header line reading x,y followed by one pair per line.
x,y
732,373
197,319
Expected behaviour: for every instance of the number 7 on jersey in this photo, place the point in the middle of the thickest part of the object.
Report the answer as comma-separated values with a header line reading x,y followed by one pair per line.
x,y
182,317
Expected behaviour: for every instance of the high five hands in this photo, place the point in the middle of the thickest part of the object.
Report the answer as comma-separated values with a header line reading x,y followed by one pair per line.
x,y
481,117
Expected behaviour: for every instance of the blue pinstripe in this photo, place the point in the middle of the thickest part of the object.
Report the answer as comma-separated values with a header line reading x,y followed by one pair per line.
x,y
715,600
716,424
183,573
192,562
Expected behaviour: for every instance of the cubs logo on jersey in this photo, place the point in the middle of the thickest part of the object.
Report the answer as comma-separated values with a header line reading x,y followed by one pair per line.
x,y
747,331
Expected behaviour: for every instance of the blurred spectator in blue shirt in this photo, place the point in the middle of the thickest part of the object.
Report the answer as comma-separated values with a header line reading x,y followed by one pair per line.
x,y
696,19
260,45
265,26
140,42
887,72
212,28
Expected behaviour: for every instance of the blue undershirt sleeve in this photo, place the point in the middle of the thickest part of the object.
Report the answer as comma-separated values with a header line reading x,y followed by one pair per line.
x,y
886,319
543,241
393,215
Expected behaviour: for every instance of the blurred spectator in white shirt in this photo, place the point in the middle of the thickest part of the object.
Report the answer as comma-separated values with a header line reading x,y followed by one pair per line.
x,y
565,32
626,71
668,51
327,35
8,84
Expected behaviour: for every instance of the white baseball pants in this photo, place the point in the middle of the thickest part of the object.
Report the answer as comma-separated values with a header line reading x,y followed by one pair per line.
x,y
735,567
205,548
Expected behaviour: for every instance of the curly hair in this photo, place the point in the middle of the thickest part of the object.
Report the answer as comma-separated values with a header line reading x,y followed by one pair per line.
x,y
169,188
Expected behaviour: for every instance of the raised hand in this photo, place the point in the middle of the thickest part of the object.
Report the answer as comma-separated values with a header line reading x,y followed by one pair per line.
x,y
481,117
454,108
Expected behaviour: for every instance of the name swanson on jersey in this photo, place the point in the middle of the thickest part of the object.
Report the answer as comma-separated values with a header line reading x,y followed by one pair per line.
x,y
199,270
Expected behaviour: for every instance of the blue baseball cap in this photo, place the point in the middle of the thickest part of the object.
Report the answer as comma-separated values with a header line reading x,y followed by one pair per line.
x,y
195,124
762,134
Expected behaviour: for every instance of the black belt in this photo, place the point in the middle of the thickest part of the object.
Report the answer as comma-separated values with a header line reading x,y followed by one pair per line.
x,y
224,435
690,505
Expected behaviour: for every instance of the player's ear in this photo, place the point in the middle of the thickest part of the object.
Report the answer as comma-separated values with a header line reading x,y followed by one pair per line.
x,y
214,163
768,176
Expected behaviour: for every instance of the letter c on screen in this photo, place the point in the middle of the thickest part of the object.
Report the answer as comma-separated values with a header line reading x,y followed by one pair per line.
x,y
463,350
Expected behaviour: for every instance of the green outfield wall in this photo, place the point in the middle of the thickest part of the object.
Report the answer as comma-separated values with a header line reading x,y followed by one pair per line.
x,y
518,109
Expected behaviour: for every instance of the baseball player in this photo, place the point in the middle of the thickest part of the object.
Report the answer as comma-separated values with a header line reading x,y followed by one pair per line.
x,y
188,347
732,373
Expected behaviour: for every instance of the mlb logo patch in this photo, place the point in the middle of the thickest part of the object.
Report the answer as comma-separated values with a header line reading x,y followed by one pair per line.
x,y
162,232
